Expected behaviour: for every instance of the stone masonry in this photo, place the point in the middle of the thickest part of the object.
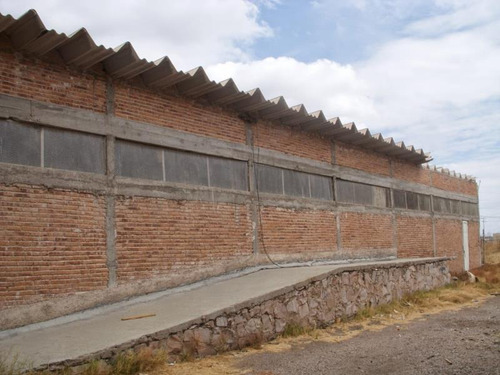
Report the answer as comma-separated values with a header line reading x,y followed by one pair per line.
x,y
314,303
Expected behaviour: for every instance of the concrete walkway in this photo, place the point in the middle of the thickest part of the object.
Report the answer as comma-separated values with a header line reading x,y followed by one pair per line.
x,y
85,333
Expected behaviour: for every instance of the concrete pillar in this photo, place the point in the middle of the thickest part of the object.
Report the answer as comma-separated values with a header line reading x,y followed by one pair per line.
x,y
254,203
111,261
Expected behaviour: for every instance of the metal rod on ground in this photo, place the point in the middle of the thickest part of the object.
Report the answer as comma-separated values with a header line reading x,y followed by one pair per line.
x,y
138,317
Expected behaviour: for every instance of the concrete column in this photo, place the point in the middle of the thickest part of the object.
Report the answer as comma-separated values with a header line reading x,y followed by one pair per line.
x,y
111,261
394,220
339,238
254,204
394,231
434,247
333,148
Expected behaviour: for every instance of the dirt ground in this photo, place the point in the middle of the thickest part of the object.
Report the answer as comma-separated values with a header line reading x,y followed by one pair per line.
x,y
453,331
466,341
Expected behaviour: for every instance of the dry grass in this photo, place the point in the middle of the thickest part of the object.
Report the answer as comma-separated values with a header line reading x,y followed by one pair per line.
x,y
11,364
489,273
492,252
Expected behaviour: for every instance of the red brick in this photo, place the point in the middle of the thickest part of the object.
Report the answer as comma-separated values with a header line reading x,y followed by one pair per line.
x,y
165,110
53,243
289,231
365,160
450,183
365,231
52,83
449,242
414,237
156,235
290,141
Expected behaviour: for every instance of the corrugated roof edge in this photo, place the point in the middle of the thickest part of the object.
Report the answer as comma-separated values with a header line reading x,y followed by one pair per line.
x,y
28,34
449,172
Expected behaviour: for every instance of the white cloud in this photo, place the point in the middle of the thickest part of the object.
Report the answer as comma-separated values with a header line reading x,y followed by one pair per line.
x,y
465,14
322,84
437,88
190,32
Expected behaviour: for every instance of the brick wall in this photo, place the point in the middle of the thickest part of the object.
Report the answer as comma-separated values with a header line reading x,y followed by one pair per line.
x,y
156,108
455,184
290,141
291,231
449,242
365,231
414,237
474,245
411,172
34,79
365,160
52,242
156,235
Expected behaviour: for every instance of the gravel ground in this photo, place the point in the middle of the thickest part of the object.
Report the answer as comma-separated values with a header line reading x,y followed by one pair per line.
x,y
466,341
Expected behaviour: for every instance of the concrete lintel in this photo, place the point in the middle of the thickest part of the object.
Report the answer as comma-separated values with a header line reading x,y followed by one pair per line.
x,y
52,178
440,215
159,189
68,118
162,136
273,200
413,213
346,207
12,107
282,160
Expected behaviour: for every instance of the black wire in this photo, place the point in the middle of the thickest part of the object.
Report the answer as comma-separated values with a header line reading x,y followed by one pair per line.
x,y
259,208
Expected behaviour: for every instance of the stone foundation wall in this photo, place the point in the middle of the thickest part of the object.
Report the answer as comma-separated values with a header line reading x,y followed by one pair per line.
x,y
315,303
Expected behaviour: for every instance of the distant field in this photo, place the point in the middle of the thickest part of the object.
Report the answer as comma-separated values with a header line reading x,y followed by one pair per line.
x,y
492,252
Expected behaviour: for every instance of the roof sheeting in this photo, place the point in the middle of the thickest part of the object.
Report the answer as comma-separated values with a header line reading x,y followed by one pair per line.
x,y
27,33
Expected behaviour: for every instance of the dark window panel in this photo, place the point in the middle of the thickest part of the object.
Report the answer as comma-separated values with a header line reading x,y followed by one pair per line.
x,y
138,161
227,173
363,194
455,206
388,197
474,209
469,209
447,206
424,202
380,197
438,204
296,183
185,167
269,179
321,187
412,200
75,151
19,143
345,191
399,198
466,208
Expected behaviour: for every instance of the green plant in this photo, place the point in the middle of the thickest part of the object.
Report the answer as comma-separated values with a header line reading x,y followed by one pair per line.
x,y
293,330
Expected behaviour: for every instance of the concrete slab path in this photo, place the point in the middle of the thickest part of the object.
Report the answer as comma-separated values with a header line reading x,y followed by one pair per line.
x,y
85,333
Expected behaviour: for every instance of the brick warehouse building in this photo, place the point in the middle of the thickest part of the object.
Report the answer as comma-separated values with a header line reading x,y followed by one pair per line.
x,y
120,176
